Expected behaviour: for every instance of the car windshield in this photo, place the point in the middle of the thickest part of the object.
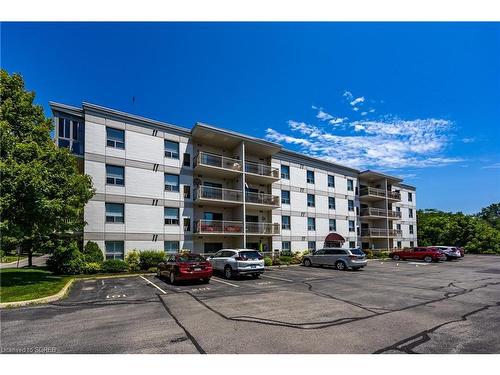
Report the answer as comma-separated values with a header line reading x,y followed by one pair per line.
x,y
250,254
190,258
357,252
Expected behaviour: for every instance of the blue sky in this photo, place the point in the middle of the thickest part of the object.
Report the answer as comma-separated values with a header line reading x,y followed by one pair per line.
x,y
419,100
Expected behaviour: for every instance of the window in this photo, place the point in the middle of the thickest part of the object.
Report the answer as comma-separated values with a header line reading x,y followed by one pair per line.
x,y
332,225
186,159
412,244
171,182
187,224
311,223
351,226
350,185
331,203
410,212
285,245
352,244
399,244
410,197
114,249
350,205
310,177
285,196
115,138
171,246
331,181
187,191
285,172
171,216
311,246
171,149
285,222
70,135
398,226
115,175
398,209
311,201
411,230
115,213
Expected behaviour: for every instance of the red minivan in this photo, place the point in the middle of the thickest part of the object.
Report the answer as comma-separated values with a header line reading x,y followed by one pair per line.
x,y
421,253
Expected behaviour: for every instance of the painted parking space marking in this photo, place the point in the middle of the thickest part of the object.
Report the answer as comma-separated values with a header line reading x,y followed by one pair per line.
x,y
88,288
265,283
223,282
116,296
156,286
276,278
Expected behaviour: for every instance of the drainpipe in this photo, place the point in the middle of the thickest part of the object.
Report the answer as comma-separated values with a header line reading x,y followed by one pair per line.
x,y
244,197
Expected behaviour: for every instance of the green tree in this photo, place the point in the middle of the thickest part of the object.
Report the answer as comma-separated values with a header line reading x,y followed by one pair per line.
x,y
491,214
42,193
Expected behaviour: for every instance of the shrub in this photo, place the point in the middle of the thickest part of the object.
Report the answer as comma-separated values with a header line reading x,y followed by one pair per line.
x,y
381,254
92,253
268,261
276,262
91,267
133,260
114,265
66,260
286,253
369,253
150,258
152,269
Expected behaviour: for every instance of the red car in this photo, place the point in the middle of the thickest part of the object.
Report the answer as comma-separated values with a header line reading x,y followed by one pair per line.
x,y
422,253
180,267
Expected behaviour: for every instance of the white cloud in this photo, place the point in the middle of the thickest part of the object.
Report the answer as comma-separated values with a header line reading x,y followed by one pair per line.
x,y
364,113
323,115
361,99
371,110
355,109
337,120
491,166
468,140
348,95
388,143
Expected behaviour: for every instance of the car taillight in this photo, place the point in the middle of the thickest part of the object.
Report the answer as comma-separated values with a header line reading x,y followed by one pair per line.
x,y
353,257
240,258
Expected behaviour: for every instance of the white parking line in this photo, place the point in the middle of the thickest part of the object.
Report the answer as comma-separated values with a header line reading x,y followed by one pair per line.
x,y
156,286
223,282
277,278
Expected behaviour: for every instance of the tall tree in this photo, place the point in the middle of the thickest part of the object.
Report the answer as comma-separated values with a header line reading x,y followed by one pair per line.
x,y
491,214
42,193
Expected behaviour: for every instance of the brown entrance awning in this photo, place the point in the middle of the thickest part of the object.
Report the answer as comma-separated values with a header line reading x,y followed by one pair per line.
x,y
334,237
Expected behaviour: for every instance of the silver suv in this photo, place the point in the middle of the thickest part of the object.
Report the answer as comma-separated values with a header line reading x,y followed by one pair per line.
x,y
341,259
235,262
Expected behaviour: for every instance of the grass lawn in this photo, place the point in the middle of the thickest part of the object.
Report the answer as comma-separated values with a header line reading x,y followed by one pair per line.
x,y
19,284
12,258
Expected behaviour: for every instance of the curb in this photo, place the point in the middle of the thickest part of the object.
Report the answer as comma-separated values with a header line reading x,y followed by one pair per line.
x,y
62,293
284,266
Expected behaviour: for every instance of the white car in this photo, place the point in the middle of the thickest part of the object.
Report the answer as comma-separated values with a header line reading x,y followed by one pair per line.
x,y
234,262
450,252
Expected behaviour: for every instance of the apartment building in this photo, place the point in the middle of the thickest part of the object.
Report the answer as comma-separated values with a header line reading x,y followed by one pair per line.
x,y
165,187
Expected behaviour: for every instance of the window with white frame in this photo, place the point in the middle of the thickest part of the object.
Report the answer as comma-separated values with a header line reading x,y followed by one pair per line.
x,y
352,226
398,227
352,244
412,243
331,181
285,196
115,138
310,177
285,246
115,175
115,213
410,213
70,135
171,246
171,149
350,205
171,215
350,185
331,203
411,229
285,172
114,249
311,223
285,222
311,246
311,201
332,225
410,197
171,182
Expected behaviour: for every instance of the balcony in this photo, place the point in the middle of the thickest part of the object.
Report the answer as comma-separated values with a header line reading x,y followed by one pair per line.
x,y
218,227
263,229
380,232
261,173
263,201
217,196
373,194
379,213
216,165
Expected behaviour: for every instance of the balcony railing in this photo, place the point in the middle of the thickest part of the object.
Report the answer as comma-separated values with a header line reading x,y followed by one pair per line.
x,y
215,193
380,212
261,169
263,228
380,232
260,198
379,193
218,227
212,160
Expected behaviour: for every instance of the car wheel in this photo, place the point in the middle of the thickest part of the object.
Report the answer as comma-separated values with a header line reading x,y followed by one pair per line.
x,y
396,257
307,262
228,272
340,265
206,281
172,278
428,259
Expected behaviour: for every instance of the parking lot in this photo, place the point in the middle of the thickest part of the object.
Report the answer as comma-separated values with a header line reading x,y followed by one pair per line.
x,y
388,307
